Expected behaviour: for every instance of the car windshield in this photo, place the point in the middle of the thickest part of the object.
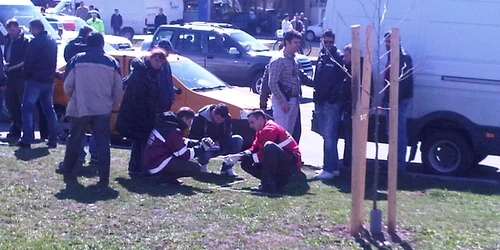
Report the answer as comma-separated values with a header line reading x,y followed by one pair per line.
x,y
194,76
247,41
24,14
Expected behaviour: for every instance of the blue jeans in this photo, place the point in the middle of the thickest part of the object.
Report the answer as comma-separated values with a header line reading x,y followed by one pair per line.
x,y
32,92
402,132
102,134
232,145
329,121
92,148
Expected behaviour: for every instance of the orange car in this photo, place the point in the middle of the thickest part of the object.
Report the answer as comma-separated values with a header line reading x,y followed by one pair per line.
x,y
199,88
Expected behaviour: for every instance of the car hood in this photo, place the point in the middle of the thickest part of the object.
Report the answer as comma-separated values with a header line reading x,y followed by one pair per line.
x,y
239,97
272,53
117,40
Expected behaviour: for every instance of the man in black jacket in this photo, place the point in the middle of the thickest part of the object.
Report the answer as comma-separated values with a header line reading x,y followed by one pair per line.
x,y
15,52
328,81
214,121
116,23
160,19
78,44
39,70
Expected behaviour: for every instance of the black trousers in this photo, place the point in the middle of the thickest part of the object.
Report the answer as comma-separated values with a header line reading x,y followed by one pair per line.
x,y
136,163
14,93
177,168
276,168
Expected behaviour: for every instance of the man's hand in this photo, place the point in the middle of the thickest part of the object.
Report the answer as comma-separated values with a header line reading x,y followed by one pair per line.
x,y
285,107
232,159
207,143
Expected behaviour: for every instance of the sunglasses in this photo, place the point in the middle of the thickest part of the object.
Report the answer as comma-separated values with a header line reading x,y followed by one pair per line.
x,y
328,42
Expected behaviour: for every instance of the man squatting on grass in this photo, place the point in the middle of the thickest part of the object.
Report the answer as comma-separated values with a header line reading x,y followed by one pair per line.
x,y
274,156
168,153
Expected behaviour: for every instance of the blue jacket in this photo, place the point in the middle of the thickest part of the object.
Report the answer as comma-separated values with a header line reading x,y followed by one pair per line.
x,y
41,59
167,89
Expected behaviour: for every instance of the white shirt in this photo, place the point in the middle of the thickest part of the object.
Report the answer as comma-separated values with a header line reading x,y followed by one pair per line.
x,y
286,26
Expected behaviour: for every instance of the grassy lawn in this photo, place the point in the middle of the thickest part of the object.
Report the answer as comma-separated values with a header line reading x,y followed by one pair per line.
x,y
38,211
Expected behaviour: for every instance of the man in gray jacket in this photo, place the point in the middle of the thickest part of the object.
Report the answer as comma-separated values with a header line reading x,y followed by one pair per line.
x,y
93,85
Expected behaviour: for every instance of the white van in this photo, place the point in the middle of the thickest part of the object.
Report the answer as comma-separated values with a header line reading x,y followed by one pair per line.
x,y
454,46
138,16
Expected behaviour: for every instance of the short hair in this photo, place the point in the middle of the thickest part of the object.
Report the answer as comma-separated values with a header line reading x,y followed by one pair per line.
x,y
12,22
116,9
91,6
160,53
84,31
291,34
37,24
185,112
95,40
258,113
222,110
348,47
286,15
166,45
328,33
387,34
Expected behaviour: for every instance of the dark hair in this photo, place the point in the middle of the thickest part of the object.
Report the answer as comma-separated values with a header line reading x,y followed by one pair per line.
x,y
222,110
85,31
12,22
165,44
160,53
286,15
91,6
185,112
258,113
328,33
387,34
37,24
95,40
290,35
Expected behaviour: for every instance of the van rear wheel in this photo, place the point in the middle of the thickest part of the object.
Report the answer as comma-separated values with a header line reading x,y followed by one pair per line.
x,y
447,153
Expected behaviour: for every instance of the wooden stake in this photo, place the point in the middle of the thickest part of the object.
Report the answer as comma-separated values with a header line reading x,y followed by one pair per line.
x,y
393,131
358,174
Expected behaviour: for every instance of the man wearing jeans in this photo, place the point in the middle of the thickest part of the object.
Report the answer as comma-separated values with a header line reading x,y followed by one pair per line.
x,y
93,85
328,81
405,96
39,70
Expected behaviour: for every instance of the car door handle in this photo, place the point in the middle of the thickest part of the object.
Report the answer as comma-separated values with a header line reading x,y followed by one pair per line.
x,y
210,57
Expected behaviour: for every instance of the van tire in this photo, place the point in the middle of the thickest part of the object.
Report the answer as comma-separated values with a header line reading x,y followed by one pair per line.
x,y
256,84
447,153
128,33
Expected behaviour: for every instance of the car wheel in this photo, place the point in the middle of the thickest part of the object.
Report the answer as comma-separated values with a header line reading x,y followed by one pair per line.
x,y
258,30
447,153
257,83
128,33
310,36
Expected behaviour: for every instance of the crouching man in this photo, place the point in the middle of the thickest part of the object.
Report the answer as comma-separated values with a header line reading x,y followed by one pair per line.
x,y
168,153
274,156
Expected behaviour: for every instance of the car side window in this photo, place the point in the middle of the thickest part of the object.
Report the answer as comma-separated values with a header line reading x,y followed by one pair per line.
x,y
163,34
189,42
217,44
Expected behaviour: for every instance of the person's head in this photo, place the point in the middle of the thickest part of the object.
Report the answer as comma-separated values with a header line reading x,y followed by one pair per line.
x,y
82,4
328,39
285,17
257,119
302,15
42,10
166,45
91,7
186,114
85,31
93,14
117,11
156,58
36,26
13,28
95,40
292,40
66,6
347,53
220,113
160,10
297,17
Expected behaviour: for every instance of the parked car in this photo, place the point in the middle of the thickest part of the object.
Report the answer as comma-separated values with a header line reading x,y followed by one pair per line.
x,y
73,24
314,32
199,88
229,53
247,21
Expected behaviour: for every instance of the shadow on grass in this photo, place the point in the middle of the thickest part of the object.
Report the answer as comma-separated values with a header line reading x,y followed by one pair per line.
x,y
88,195
367,241
486,181
153,187
25,154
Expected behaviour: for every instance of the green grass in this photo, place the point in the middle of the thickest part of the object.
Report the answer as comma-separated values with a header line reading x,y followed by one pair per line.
x,y
38,211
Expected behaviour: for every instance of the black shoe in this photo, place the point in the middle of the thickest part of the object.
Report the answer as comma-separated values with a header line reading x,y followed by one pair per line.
x,y
103,183
23,145
52,144
69,178
264,189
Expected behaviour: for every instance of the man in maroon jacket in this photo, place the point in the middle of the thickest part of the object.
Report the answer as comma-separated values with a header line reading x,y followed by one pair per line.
x,y
273,157
168,153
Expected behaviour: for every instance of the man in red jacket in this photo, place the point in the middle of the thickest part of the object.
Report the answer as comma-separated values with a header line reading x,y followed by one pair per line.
x,y
168,153
273,157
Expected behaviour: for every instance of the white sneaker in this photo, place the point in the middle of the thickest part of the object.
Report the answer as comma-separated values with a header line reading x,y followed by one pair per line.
x,y
324,175
229,172
204,169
